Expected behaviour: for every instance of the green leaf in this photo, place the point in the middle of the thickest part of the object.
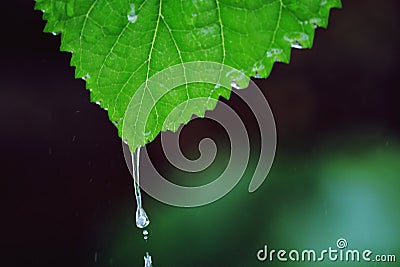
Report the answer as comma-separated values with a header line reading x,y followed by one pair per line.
x,y
119,45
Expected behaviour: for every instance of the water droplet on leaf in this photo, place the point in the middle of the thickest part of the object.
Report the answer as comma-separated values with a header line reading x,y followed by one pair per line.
x,y
132,17
296,45
235,85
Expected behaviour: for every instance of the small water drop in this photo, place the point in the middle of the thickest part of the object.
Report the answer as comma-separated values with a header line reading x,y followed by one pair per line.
x,y
145,232
258,76
98,103
132,17
147,260
296,45
235,85
217,85
87,76
54,33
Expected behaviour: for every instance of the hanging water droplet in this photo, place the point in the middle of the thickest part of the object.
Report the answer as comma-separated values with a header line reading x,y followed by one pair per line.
x,y
54,33
142,220
217,85
132,17
147,260
258,76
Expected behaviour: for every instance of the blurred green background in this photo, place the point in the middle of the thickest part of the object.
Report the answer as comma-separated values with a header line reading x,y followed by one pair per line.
x,y
66,193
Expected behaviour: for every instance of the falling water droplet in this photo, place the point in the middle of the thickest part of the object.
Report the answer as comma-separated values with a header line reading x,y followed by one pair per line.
x,y
145,234
142,220
147,260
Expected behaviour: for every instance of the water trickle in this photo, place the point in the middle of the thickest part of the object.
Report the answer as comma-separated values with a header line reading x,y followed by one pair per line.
x,y
142,220
147,260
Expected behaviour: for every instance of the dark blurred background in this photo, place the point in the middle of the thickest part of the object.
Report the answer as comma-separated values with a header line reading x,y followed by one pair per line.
x,y
66,195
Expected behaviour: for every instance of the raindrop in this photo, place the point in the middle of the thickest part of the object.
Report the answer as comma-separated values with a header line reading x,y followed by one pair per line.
x,y
132,17
296,45
235,85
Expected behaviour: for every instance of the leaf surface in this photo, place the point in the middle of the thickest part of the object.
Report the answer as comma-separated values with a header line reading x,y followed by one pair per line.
x,y
119,45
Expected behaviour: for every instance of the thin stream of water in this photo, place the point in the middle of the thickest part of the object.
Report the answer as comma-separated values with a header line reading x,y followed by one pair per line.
x,y
142,220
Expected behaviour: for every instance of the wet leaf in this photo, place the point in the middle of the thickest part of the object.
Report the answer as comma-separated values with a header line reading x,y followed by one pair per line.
x,y
119,45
